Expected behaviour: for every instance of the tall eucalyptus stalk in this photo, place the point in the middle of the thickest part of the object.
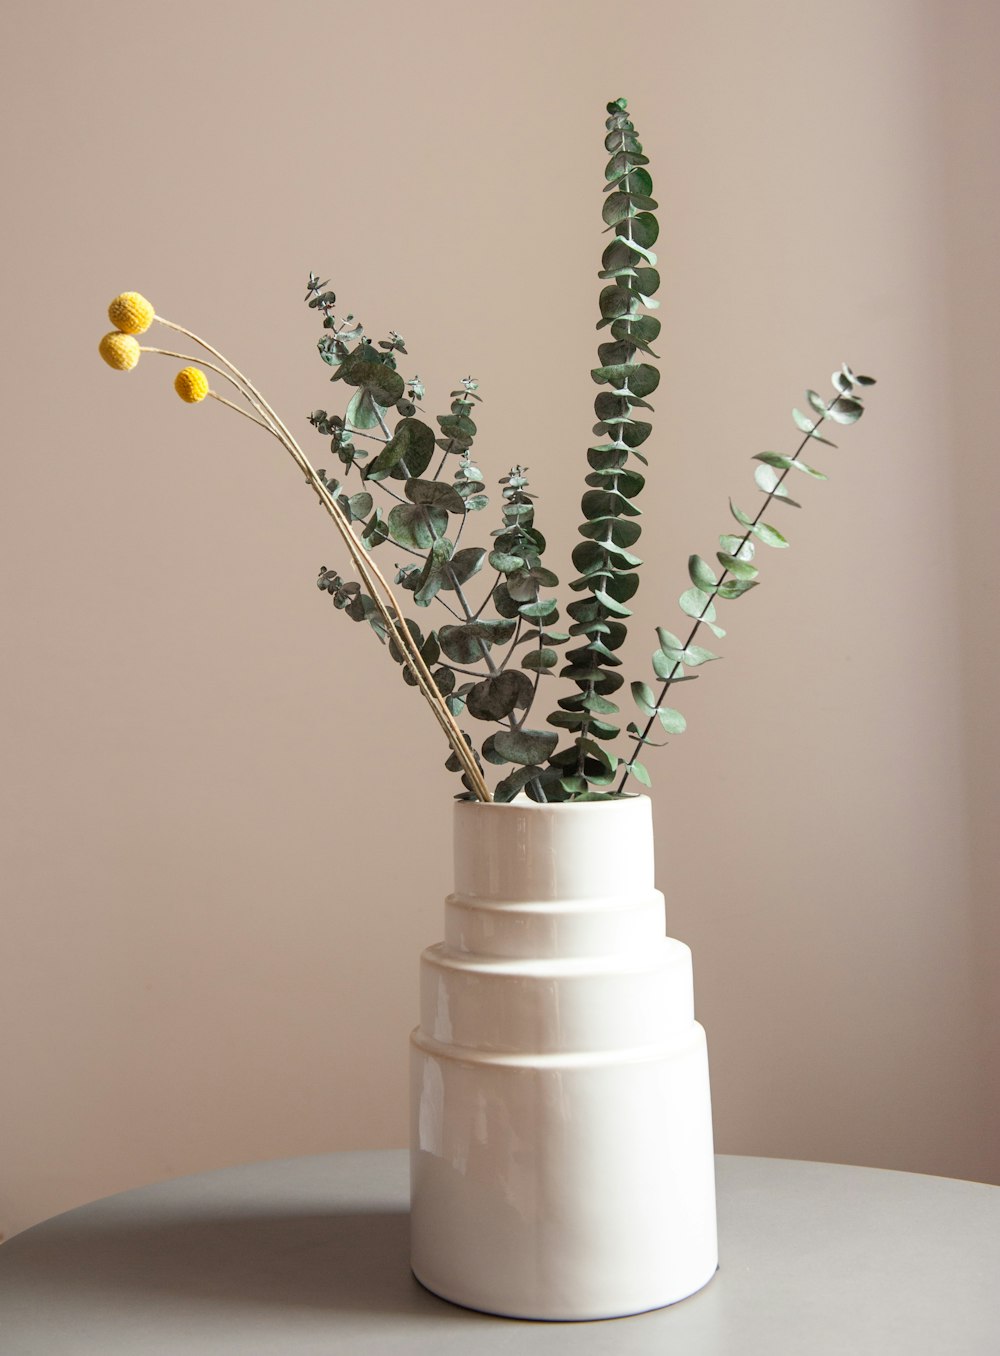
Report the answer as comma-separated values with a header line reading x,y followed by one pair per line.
x,y
604,557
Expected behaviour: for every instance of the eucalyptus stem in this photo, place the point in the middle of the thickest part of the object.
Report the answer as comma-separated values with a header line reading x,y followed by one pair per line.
x,y
668,682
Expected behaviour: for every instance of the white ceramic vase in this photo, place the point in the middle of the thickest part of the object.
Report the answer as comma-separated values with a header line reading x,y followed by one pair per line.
x,y
561,1138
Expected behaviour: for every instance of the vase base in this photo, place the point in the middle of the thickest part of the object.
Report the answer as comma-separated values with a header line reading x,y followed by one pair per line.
x,y
516,1313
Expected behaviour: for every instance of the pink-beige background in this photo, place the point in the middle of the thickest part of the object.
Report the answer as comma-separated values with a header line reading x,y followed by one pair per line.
x,y
226,823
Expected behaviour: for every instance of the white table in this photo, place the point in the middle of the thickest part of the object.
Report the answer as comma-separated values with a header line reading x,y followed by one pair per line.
x,y
310,1256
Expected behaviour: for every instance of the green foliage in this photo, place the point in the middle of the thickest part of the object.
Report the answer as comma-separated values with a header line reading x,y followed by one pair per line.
x,y
607,566
488,660
738,576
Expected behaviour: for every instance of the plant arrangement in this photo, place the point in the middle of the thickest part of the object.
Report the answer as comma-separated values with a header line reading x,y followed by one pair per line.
x,y
498,632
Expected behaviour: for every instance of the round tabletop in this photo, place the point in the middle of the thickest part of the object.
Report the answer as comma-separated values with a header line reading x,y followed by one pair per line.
x,y
309,1255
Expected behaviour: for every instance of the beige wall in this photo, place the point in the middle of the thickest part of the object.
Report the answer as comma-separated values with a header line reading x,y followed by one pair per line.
x,y
226,824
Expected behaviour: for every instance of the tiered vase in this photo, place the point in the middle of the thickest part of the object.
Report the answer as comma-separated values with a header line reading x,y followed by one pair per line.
x,y
562,1163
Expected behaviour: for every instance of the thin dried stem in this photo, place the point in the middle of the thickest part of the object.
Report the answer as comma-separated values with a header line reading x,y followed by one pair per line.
x,y
240,410
369,572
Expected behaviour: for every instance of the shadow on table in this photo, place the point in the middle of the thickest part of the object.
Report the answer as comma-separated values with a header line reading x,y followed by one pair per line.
x,y
349,1262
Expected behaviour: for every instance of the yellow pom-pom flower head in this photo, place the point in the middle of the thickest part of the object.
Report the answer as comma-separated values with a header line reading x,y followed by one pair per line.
x,y
191,384
120,351
131,313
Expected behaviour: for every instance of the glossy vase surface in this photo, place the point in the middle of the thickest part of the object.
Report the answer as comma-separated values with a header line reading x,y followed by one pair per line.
x,y
561,1137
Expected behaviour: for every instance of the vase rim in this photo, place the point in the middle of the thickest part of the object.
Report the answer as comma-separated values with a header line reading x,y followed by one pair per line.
x,y
562,806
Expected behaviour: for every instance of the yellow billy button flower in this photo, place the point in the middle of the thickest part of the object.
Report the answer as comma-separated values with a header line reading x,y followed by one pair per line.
x,y
120,351
131,313
191,384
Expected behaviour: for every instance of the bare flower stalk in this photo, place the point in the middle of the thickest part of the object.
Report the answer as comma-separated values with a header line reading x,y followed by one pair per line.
x,y
369,572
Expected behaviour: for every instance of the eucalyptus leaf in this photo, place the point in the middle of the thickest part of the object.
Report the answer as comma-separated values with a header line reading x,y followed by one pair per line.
x,y
416,525
644,698
639,772
497,696
735,588
411,445
786,463
742,569
384,384
540,660
672,721
770,482
464,643
525,746
770,536
670,670
845,410
436,493
538,611
463,565
615,608
511,786
740,547
701,574
505,563
362,412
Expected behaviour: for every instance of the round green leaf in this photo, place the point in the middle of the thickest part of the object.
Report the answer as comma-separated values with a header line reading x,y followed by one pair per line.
x,y
742,569
525,746
416,526
701,573
497,696
435,492
537,661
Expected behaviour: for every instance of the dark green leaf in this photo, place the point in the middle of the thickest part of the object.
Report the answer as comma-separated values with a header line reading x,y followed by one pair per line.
x,y
509,787
463,565
506,563
385,385
463,644
525,746
412,444
435,492
638,379
416,526
540,660
615,608
544,607
845,410
644,229
497,696
606,504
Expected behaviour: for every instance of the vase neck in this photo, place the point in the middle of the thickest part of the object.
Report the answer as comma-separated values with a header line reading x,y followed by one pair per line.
x,y
528,852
